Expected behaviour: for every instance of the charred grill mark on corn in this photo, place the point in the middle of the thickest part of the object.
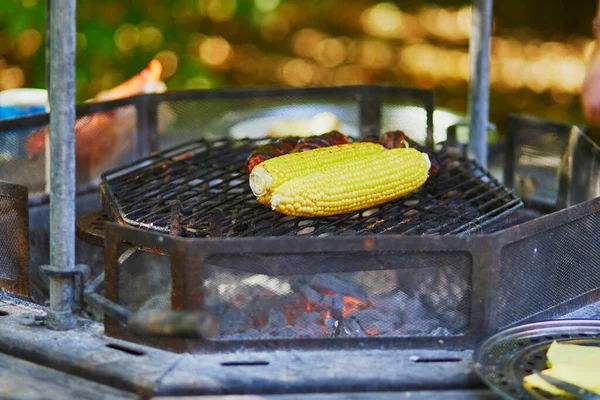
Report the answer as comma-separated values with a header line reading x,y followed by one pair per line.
x,y
327,139
352,185
398,139
270,174
271,150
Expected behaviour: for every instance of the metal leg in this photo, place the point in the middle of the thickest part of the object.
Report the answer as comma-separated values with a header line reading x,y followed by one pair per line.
x,y
479,91
62,162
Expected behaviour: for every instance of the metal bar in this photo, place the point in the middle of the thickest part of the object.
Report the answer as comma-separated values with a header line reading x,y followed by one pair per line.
x,y
62,161
479,90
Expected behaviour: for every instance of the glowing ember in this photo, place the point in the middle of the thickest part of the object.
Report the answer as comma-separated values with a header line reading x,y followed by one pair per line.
x,y
352,304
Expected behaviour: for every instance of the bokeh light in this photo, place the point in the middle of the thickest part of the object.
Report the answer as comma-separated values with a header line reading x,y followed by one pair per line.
x,y
215,52
214,43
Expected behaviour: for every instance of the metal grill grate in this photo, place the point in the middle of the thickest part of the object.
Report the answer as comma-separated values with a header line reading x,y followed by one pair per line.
x,y
200,189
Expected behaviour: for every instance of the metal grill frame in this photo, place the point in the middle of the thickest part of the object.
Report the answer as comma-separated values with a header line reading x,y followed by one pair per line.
x,y
188,257
483,190
18,194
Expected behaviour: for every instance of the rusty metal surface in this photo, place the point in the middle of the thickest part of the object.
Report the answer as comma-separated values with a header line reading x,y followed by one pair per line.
x,y
90,227
203,177
163,375
86,353
188,257
26,380
14,239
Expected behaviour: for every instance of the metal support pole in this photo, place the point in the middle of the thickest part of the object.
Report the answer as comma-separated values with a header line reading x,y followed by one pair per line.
x,y
479,90
62,163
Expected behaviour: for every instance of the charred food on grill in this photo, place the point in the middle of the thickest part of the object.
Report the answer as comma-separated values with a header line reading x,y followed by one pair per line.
x,y
341,178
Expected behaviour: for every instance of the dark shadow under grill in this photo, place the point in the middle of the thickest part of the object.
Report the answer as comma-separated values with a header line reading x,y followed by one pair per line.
x,y
200,189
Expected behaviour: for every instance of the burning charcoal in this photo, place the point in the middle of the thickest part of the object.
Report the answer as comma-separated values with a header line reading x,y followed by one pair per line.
x,y
332,326
327,283
393,304
316,330
337,309
440,331
413,309
351,328
378,282
296,282
234,321
307,319
276,322
372,322
327,302
456,321
285,333
439,289
419,327
311,332
312,296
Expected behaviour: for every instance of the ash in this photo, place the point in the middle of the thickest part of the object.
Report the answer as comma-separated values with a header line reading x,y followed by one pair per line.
x,y
382,303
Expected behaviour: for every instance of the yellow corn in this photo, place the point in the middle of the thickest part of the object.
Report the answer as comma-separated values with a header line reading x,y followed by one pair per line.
x,y
357,184
271,173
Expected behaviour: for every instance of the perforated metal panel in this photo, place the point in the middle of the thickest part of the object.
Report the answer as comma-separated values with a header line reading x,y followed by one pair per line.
x,y
548,269
14,239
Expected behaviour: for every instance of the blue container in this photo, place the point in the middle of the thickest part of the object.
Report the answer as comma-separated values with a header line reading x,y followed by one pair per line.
x,y
15,103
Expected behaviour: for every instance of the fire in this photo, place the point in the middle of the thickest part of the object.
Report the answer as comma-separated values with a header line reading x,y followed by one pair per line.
x,y
352,304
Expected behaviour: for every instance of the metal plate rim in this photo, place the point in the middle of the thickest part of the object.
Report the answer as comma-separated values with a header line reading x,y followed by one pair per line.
x,y
532,330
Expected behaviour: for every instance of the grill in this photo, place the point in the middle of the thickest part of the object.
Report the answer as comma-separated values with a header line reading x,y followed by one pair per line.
x,y
14,251
432,270
429,268
200,189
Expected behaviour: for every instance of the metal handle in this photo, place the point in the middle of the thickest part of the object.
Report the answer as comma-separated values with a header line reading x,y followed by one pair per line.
x,y
188,324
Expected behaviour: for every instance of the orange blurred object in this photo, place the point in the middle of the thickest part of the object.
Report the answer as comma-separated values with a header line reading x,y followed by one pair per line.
x,y
136,85
352,304
101,136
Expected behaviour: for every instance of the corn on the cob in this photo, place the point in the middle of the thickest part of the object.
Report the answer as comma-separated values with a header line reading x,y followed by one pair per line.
x,y
353,185
273,172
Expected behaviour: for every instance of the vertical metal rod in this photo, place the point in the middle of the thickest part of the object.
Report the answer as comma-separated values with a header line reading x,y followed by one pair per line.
x,y
479,90
62,162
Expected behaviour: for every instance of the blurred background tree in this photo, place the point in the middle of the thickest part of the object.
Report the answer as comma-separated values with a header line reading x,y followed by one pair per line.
x,y
538,50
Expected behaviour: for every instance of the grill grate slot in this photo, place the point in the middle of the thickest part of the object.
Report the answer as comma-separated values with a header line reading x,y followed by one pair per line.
x,y
208,176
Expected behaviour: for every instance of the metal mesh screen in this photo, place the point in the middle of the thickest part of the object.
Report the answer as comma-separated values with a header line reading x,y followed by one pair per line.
x,y
181,120
144,281
548,269
260,115
103,140
388,295
538,148
14,245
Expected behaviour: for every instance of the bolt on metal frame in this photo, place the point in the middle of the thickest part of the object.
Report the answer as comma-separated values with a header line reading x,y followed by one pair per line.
x,y
60,56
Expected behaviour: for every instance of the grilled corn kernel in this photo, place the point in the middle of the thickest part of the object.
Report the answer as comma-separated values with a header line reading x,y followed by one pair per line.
x,y
353,185
273,172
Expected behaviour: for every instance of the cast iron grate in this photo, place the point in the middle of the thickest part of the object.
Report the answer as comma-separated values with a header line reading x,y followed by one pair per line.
x,y
200,189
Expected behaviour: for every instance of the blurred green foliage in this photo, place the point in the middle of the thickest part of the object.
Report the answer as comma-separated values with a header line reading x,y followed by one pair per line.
x,y
116,39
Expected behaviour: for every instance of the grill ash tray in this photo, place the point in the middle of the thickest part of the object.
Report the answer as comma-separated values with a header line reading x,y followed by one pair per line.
x,y
506,358
200,189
